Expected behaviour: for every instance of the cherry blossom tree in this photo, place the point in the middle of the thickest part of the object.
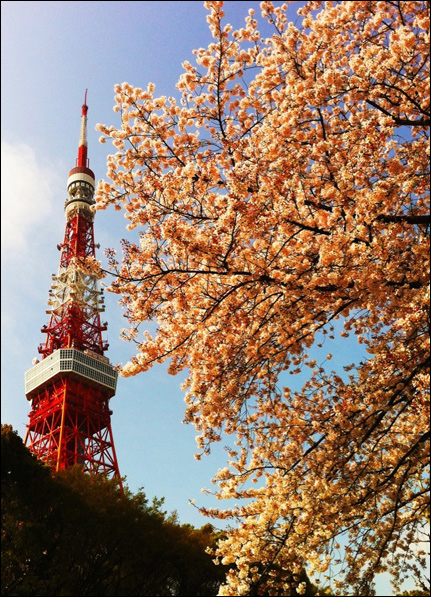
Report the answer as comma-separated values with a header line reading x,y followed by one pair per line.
x,y
286,196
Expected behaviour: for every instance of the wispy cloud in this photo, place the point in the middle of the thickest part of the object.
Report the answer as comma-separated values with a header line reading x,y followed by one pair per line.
x,y
27,189
32,195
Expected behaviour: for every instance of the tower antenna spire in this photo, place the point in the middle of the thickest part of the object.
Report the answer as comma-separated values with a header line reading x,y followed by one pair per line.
x,y
83,161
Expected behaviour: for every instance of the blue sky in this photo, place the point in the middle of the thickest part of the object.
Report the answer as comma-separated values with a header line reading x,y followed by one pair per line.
x,y
51,53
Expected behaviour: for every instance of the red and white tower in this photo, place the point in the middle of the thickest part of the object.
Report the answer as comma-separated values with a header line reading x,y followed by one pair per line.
x,y
70,388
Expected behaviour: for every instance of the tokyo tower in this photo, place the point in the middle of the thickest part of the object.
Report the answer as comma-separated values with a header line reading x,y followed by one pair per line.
x,y
70,387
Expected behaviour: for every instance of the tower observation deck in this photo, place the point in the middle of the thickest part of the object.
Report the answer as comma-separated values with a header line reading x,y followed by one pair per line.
x,y
71,386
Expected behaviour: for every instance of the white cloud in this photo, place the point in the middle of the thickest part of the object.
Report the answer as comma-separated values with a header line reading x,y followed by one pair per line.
x,y
27,189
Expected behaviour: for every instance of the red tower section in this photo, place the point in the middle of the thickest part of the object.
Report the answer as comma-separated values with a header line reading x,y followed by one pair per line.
x,y
70,388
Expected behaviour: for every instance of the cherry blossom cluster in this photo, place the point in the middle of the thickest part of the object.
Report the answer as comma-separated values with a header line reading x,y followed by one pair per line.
x,y
283,199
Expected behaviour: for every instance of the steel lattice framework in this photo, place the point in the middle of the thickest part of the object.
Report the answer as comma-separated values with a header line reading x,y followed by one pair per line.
x,y
70,388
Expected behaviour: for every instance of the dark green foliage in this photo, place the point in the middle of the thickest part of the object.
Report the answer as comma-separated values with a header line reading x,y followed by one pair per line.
x,y
72,534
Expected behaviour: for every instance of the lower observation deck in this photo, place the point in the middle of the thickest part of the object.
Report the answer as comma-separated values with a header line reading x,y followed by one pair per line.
x,y
76,364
